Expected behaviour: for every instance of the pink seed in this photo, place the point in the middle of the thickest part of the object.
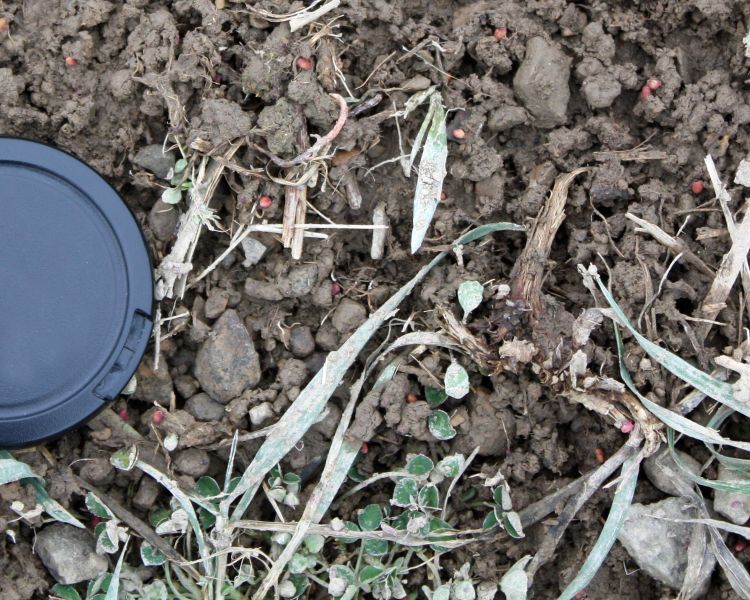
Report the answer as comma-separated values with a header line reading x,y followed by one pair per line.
x,y
123,414
157,417
627,426
304,63
265,201
653,83
645,92
364,449
697,187
336,289
501,33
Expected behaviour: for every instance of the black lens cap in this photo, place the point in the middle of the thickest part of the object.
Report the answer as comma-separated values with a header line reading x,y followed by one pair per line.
x,y
76,292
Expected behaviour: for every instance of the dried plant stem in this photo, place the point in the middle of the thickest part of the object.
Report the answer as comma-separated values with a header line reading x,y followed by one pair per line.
x,y
528,274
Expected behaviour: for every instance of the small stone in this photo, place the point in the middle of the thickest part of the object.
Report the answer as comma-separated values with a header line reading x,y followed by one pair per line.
x,y
260,414
216,303
541,82
154,385
254,251
147,494
69,553
348,315
601,91
666,476
262,290
192,461
743,174
300,281
735,506
186,385
98,471
301,341
660,545
327,337
163,219
292,372
204,408
506,117
227,363
153,159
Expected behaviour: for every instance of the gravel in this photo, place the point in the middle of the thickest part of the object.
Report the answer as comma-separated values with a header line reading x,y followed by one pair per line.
x,y
153,159
69,553
735,506
664,473
301,341
541,83
204,408
348,315
227,363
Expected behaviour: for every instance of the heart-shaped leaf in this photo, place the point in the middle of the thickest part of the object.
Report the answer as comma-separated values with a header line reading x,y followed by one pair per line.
x,y
470,296
439,425
456,381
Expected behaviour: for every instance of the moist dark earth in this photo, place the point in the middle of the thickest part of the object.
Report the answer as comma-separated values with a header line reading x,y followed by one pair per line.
x,y
537,88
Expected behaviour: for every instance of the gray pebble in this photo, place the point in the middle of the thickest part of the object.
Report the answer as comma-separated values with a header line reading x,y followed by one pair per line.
x,y
204,408
262,290
98,471
153,159
506,117
666,476
601,91
735,506
261,413
192,461
300,281
227,363
348,315
660,545
254,251
301,341
327,337
154,385
292,372
147,494
541,82
186,385
163,219
69,553
216,303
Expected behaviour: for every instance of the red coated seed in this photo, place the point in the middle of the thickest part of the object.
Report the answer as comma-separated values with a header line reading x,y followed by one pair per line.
x,y
740,545
599,453
123,414
645,92
653,83
627,426
458,134
4,25
364,449
157,417
697,187
443,196
304,63
70,61
265,201
95,521
336,289
411,398
500,33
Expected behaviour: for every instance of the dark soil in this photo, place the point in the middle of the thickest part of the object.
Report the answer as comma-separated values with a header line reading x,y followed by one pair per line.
x,y
139,70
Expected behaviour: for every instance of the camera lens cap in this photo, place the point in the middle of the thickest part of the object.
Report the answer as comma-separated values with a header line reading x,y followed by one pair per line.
x,y
76,292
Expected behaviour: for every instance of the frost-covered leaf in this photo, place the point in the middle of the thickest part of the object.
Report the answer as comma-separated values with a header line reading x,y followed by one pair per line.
x,y
150,556
370,517
431,173
65,592
370,572
419,465
515,582
155,590
314,543
340,577
429,497
512,524
13,470
405,492
470,296
207,487
456,381
107,538
124,459
375,547
171,195
435,396
451,465
463,590
97,507
440,426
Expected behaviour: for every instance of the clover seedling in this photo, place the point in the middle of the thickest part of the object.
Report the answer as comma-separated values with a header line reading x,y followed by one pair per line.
x,y
470,296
